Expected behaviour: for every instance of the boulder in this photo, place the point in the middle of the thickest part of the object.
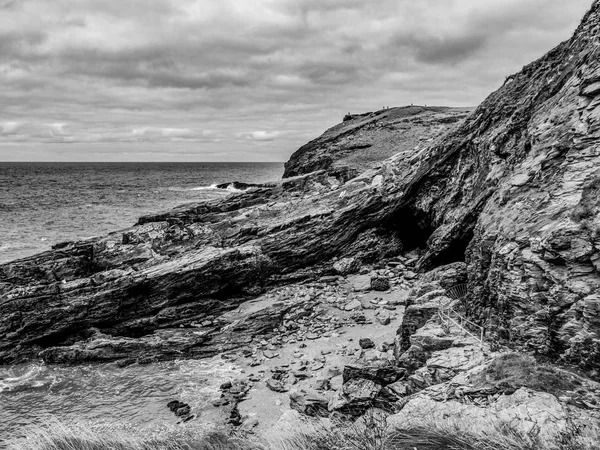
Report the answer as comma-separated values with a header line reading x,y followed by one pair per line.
x,y
309,402
382,374
366,343
346,266
360,283
532,413
380,284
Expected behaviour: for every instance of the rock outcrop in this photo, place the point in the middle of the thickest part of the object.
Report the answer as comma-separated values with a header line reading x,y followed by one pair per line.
x,y
512,191
362,141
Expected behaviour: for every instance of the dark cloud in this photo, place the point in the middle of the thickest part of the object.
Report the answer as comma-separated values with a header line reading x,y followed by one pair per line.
x,y
213,72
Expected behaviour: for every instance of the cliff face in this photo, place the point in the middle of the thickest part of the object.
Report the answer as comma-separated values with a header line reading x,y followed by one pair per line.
x,y
521,177
512,190
365,140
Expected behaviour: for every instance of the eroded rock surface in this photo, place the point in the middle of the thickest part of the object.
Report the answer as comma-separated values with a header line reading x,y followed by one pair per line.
x,y
512,191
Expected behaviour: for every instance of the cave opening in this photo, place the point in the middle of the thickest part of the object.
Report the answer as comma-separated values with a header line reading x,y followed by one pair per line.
x,y
454,252
413,227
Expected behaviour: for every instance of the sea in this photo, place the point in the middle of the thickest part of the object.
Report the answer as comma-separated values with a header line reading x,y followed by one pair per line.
x,y
42,204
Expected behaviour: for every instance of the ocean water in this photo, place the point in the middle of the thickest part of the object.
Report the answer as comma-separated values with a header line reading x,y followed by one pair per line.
x,y
135,397
45,203
42,204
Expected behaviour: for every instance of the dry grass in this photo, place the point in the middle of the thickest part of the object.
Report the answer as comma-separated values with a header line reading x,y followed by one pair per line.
x,y
368,433
58,436
431,436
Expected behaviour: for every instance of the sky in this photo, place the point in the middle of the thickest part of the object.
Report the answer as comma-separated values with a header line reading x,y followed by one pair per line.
x,y
245,80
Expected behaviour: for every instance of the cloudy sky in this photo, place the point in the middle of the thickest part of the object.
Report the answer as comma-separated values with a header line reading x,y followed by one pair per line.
x,y
245,80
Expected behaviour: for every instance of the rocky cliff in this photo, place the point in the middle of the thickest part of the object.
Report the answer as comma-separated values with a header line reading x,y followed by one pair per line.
x,y
363,141
512,190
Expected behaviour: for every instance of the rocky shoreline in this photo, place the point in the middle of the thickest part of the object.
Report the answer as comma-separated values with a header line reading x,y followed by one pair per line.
x,y
440,281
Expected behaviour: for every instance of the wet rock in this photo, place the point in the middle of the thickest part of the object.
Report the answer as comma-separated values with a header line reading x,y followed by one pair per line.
x,y
180,409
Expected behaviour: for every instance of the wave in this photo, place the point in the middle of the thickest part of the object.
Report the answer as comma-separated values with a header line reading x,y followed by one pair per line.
x,y
216,187
21,378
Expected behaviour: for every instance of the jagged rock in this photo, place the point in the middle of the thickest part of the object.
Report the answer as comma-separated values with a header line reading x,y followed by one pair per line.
x,y
345,266
432,337
532,413
382,374
415,316
512,190
360,389
448,275
309,402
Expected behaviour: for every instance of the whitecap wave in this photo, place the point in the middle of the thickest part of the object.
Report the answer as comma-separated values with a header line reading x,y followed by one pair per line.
x,y
19,379
213,187
205,188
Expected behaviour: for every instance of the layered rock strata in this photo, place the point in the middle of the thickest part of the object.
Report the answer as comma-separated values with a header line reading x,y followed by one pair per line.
x,y
511,191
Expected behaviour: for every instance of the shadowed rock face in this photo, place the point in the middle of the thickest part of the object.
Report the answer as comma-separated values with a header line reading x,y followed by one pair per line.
x,y
512,191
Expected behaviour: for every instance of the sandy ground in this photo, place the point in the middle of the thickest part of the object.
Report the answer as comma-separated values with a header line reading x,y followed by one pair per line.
x,y
321,353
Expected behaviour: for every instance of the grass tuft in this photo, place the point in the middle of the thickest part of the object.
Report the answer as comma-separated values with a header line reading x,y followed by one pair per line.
x,y
79,437
370,432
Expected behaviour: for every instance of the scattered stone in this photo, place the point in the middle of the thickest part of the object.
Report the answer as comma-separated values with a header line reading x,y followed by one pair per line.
x,y
366,343
384,318
220,402
269,354
336,383
360,283
345,266
309,402
276,386
355,304
380,284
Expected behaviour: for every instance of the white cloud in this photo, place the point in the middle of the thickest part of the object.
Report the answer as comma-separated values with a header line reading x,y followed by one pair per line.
x,y
165,70
264,135
9,127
